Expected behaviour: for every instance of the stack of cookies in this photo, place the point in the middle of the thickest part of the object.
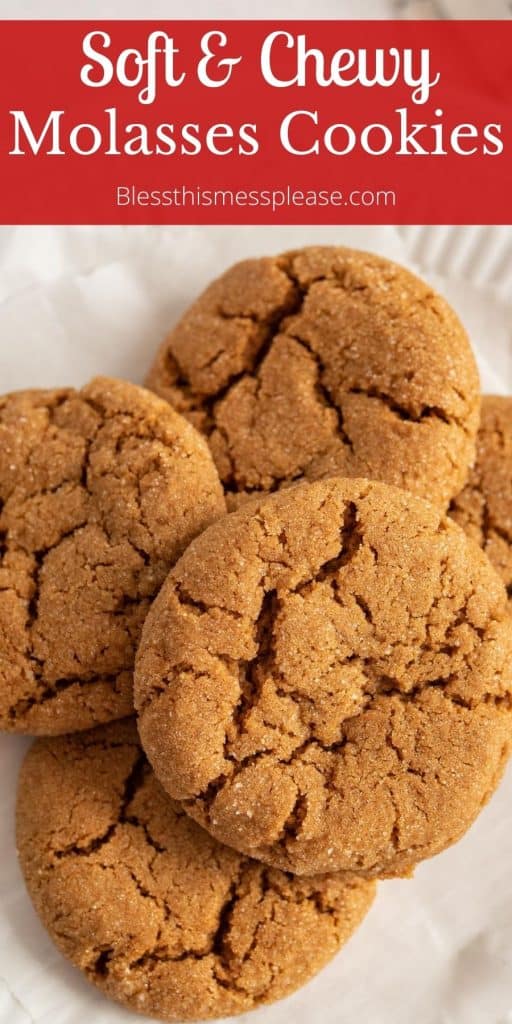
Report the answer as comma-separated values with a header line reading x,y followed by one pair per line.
x,y
289,556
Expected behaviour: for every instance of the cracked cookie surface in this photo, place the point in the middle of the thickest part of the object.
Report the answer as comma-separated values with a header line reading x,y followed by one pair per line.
x,y
149,906
100,492
484,507
325,361
325,679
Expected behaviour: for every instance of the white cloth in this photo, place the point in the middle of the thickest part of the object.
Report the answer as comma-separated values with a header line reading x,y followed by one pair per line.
x,y
78,301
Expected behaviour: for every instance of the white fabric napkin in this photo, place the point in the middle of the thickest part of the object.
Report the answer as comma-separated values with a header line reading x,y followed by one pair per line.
x,y
78,301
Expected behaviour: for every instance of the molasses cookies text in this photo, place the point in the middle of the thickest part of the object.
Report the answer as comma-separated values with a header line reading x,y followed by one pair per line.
x,y
309,76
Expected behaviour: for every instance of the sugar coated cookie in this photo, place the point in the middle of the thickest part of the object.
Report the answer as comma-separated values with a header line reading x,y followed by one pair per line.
x,y
100,491
325,360
149,906
325,679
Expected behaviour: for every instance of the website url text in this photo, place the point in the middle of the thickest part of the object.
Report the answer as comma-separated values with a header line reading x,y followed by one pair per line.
x,y
274,199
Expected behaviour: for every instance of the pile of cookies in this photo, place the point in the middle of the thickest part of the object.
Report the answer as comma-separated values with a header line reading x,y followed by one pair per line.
x,y
269,556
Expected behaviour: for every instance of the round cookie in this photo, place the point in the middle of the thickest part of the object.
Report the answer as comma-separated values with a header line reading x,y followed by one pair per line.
x,y
325,679
325,361
149,906
484,507
100,491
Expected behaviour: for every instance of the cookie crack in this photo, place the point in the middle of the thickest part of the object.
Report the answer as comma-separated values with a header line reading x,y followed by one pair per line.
x,y
270,328
401,411
292,826
133,782
132,819
39,556
218,942
394,836
187,600
254,672
324,392
57,687
344,283
206,797
387,691
230,486
351,541
273,326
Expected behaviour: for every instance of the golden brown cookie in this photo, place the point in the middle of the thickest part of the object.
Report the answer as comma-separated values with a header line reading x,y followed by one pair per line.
x,y
484,507
100,491
152,909
325,360
325,679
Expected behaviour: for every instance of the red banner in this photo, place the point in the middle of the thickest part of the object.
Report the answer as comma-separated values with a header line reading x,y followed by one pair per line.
x,y
256,122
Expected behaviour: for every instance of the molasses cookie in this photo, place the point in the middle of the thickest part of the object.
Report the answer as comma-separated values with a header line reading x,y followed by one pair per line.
x,y
325,679
100,491
484,507
149,906
325,361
